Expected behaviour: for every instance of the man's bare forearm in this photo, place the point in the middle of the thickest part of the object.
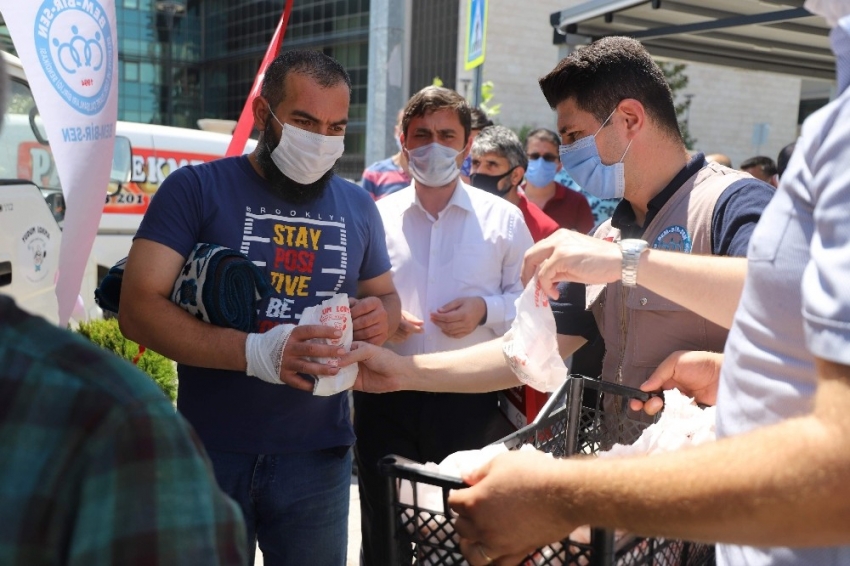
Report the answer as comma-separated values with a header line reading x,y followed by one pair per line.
x,y
162,326
710,286
148,316
476,369
784,485
392,304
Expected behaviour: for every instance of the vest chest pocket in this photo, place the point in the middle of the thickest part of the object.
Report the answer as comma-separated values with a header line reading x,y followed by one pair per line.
x,y
658,327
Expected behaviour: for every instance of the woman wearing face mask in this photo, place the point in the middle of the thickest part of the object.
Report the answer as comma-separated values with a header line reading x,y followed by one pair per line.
x,y
566,207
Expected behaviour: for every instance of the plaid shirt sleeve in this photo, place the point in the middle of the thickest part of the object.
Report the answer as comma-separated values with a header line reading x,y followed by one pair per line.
x,y
149,496
96,466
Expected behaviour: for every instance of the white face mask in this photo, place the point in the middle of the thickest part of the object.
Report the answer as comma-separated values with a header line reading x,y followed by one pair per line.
x,y
830,10
304,156
433,165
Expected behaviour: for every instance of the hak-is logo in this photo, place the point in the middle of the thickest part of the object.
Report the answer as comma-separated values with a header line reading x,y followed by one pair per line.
x,y
73,40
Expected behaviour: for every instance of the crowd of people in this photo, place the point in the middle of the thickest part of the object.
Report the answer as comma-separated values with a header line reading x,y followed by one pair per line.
x,y
729,284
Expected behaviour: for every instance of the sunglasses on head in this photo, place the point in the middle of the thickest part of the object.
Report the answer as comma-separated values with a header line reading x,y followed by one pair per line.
x,y
547,157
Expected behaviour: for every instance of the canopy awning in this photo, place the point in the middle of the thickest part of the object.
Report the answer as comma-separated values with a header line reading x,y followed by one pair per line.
x,y
766,35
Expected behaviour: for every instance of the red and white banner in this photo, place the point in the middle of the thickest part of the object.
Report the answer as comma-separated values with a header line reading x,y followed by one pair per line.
x,y
246,119
69,52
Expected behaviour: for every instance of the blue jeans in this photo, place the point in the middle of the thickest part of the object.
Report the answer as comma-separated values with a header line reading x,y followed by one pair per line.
x,y
295,505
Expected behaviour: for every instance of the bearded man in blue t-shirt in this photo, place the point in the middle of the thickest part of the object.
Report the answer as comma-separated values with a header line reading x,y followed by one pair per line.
x,y
280,452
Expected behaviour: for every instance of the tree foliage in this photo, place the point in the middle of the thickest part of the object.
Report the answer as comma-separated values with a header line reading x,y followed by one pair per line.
x,y
675,75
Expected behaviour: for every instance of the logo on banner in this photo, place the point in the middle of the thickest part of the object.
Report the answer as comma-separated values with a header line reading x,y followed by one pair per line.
x,y
73,40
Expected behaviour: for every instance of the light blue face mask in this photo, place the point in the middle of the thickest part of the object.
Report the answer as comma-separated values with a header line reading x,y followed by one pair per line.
x,y
541,172
582,161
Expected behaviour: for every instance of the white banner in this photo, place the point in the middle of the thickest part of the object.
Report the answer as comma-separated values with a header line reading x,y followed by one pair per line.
x,y
68,49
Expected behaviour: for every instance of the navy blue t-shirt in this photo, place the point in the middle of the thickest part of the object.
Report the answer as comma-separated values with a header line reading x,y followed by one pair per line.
x,y
735,215
309,252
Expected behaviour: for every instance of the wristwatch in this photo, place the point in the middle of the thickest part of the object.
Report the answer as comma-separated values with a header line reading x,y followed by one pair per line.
x,y
631,249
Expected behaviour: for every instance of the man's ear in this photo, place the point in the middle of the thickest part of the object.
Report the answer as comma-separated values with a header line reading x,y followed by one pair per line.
x,y
260,112
403,141
467,148
517,175
634,115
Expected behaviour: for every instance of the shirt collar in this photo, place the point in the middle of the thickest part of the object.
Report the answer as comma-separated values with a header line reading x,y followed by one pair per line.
x,y
624,215
460,198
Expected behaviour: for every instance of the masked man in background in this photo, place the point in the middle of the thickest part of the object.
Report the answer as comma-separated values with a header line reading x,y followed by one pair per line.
x,y
456,255
498,166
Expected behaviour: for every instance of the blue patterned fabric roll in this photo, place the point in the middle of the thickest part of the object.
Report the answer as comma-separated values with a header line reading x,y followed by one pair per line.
x,y
216,285
221,286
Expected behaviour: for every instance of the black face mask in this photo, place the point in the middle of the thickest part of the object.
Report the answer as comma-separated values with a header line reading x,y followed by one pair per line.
x,y
490,183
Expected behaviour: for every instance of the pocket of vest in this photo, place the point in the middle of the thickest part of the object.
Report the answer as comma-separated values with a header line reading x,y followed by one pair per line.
x,y
655,334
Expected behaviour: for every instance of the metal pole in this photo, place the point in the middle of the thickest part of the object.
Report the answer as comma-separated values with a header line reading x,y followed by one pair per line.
x,y
476,86
387,88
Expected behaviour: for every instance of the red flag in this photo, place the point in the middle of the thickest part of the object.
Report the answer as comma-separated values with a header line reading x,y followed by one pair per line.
x,y
246,119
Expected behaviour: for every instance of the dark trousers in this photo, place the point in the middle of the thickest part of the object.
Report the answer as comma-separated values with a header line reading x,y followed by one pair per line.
x,y
425,427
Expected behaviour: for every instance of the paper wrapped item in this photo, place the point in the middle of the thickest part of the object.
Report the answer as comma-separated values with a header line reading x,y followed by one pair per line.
x,y
682,424
531,345
333,312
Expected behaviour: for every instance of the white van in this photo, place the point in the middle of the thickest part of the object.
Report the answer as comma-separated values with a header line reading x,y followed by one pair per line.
x,y
156,152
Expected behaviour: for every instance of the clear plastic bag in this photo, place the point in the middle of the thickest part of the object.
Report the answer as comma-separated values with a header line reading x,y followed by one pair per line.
x,y
531,345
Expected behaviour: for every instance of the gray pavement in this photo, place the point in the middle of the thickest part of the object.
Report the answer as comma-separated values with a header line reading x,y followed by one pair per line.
x,y
353,530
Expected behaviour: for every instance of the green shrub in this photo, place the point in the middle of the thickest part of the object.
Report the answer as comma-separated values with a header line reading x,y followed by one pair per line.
x,y
107,335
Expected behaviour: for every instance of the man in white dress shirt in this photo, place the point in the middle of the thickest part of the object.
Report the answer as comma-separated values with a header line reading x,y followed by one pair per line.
x,y
456,255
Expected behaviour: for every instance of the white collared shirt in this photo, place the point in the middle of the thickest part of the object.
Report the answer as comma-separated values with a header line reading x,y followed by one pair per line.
x,y
473,248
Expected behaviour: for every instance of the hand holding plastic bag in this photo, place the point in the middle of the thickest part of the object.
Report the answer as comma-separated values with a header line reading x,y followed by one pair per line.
x,y
531,345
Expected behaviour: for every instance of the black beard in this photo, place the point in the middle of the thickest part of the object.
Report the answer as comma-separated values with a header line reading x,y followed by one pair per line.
x,y
281,185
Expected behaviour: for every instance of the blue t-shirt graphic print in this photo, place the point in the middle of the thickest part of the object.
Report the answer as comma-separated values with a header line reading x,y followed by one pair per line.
x,y
309,252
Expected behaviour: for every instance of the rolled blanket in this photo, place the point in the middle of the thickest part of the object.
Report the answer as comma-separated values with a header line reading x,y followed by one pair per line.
x,y
109,292
221,286
217,285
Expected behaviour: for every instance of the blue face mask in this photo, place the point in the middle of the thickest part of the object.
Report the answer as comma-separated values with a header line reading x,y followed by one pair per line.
x,y
540,172
582,161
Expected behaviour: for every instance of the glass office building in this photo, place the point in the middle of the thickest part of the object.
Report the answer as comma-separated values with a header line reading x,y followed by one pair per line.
x,y
180,61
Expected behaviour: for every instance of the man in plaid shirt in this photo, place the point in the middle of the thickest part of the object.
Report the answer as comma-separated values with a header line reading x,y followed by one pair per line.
x,y
96,466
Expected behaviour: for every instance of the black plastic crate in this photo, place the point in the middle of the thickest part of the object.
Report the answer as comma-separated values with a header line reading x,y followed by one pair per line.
x,y
586,416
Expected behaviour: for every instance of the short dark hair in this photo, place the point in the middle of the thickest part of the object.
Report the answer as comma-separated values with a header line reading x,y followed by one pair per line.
x,y
326,71
480,120
503,142
766,164
433,98
784,157
543,134
607,71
